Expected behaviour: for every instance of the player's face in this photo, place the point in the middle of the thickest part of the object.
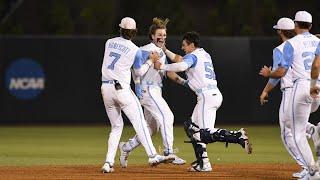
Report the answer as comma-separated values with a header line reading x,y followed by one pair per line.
x,y
159,37
187,48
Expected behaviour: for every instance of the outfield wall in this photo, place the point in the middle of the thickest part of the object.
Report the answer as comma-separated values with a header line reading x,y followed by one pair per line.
x,y
57,80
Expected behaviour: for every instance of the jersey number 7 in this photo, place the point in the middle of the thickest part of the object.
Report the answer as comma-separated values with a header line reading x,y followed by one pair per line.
x,y
116,57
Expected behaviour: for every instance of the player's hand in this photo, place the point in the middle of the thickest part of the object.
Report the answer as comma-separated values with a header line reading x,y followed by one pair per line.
x,y
157,65
263,98
154,56
163,47
314,91
265,71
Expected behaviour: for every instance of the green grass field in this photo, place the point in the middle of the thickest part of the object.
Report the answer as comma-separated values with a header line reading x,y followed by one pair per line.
x,y
79,145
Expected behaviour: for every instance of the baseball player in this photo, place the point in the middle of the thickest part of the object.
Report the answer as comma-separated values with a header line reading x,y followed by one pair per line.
x,y
198,66
298,53
148,85
120,54
285,29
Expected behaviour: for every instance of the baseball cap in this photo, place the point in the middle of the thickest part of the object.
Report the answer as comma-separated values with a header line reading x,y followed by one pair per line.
x,y
128,23
284,24
303,16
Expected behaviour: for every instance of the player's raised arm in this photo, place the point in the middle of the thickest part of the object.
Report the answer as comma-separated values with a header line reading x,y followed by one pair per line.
x,y
172,56
188,61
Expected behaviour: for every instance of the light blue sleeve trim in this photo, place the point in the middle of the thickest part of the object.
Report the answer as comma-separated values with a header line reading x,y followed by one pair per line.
x,y
287,55
274,82
277,58
191,60
140,58
317,53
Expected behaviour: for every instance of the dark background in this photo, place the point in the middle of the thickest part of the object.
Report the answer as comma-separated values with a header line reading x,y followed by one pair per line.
x,y
67,38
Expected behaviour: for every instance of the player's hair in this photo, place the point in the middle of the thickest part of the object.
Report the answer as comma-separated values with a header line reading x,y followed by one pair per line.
x,y
192,37
288,33
303,25
157,23
128,33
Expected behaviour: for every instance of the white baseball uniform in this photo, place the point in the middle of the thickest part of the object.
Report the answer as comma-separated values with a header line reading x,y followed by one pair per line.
x,y
286,84
157,112
120,54
298,53
202,80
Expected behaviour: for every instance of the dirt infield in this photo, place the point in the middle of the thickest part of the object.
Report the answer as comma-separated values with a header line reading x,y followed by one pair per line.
x,y
165,171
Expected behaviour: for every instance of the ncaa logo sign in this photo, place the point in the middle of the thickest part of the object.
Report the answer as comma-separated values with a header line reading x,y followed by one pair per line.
x,y
25,79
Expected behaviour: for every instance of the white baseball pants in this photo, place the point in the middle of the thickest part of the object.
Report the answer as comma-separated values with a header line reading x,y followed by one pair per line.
x,y
125,100
158,116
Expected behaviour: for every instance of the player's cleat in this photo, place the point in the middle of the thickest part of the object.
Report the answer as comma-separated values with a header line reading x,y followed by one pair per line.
x,y
197,168
300,174
177,160
123,155
107,168
157,159
312,175
244,141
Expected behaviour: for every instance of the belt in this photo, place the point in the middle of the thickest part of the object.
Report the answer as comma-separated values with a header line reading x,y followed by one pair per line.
x,y
151,83
109,81
209,87
285,88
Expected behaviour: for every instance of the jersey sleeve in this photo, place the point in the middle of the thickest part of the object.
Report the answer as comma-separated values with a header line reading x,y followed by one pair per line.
x,y
191,60
317,53
140,58
277,58
287,55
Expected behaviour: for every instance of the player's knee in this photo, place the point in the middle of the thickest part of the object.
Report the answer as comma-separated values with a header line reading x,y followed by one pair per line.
x,y
117,125
287,123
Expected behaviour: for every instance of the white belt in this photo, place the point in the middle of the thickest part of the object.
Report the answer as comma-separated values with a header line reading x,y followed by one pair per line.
x,y
151,83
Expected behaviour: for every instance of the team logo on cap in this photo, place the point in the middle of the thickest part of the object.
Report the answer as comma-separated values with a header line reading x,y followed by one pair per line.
x,y
25,79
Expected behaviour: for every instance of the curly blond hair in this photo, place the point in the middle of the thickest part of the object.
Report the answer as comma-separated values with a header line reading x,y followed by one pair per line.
x,y
157,23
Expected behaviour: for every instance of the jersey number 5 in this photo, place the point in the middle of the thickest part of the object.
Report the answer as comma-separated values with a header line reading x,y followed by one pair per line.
x,y
309,56
116,57
208,67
